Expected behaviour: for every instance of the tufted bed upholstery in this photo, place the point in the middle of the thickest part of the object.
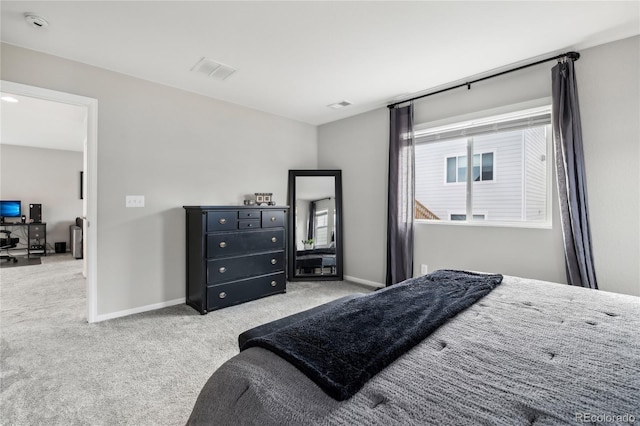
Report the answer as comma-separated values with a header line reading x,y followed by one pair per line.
x,y
530,352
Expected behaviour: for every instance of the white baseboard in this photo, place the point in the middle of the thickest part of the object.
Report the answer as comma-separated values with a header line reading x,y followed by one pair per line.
x,y
160,305
365,282
139,310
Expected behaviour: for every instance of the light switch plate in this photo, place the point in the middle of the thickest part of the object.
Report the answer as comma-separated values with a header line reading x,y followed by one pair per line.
x,y
134,201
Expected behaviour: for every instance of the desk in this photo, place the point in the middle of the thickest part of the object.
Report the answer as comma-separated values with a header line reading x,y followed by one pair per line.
x,y
36,235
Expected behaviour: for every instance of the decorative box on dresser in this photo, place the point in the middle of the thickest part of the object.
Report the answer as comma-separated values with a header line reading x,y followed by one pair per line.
x,y
234,254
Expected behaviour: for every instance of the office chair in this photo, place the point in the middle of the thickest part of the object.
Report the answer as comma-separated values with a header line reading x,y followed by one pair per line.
x,y
6,244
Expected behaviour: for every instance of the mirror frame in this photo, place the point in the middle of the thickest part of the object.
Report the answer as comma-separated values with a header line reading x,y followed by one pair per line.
x,y
337,175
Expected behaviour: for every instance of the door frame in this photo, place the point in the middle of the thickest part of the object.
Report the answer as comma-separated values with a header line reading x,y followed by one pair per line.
x,y
90,200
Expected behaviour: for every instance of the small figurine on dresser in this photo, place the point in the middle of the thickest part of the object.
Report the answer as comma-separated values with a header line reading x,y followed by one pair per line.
x,y
260,199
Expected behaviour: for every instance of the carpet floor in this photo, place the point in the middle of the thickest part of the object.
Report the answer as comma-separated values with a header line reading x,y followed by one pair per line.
x,y
144,369
20,261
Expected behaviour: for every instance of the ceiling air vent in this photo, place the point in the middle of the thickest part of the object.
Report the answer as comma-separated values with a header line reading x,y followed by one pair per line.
x,y
339,105
213,69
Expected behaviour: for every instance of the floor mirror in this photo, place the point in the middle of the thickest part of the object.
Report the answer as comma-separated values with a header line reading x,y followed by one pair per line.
x,y
315,225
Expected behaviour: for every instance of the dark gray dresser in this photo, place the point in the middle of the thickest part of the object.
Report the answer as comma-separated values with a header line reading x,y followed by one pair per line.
x,y
234,254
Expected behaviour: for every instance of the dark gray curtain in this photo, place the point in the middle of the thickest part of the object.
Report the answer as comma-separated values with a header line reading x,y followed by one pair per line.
x,y
401,196
312,220
572,184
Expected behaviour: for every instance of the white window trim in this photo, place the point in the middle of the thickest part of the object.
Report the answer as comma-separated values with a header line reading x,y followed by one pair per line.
x,y
485,223
506,111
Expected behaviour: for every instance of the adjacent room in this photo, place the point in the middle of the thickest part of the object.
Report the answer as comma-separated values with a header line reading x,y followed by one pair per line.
x,y
320,212
42,171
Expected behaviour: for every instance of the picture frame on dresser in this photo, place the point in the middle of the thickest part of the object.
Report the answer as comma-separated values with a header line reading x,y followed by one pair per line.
x,y
234,254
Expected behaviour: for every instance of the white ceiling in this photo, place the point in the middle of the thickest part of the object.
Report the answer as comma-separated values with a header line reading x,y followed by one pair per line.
x,y
295,58
42,124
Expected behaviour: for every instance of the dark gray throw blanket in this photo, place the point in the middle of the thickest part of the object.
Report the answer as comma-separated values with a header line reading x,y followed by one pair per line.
x,y
341,348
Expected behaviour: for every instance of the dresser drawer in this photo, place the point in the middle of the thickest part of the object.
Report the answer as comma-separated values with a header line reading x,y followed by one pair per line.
x,y
222,220
234,243
249,214
223,295
249,224
273,218
233,268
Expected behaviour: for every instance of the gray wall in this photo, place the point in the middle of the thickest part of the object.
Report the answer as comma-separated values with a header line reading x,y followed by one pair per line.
x,y
359,146
609,99
174,147
609,85
50,177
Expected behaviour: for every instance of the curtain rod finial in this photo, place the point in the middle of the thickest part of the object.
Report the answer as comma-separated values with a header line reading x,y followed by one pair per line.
x,y
573,55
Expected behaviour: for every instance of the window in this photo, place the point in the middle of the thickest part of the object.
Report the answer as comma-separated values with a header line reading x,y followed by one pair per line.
x,y
492,170
462,216
482,168
322,235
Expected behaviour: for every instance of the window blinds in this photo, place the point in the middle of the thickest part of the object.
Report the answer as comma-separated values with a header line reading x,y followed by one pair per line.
x,y
483,127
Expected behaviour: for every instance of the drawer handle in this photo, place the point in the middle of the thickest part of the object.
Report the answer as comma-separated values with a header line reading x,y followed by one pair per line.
x,y
273,219
223,244
273,283
222,295
274,239
250,225
273,261
222,269
222,221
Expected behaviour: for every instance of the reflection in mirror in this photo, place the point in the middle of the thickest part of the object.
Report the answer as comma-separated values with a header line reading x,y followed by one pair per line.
x,y
314,229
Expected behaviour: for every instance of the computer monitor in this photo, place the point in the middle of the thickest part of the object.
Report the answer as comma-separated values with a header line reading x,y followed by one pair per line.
x,y
10,208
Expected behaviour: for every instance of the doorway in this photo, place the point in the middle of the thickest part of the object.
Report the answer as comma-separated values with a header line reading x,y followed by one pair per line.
x,y
90,175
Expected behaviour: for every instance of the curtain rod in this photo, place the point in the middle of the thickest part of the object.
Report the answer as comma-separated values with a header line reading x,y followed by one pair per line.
x,y
571,55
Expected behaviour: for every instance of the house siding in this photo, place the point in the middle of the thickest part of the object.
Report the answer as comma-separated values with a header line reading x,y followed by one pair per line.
x,y
432,190
536,158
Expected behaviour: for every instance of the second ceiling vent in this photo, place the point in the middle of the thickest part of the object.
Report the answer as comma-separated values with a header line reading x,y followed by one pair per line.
x,y
213,69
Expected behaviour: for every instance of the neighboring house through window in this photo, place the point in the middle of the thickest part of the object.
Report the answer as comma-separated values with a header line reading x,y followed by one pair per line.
x,y
463,216
482,169
494,170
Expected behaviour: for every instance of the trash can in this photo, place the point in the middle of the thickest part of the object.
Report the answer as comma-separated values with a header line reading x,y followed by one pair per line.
x,y
61,247
75,237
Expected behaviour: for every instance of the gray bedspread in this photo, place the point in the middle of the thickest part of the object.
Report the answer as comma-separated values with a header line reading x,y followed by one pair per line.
x,y
530,352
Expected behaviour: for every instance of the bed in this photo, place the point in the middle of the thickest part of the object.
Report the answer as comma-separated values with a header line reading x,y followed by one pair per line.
x,y
528,352
307,261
